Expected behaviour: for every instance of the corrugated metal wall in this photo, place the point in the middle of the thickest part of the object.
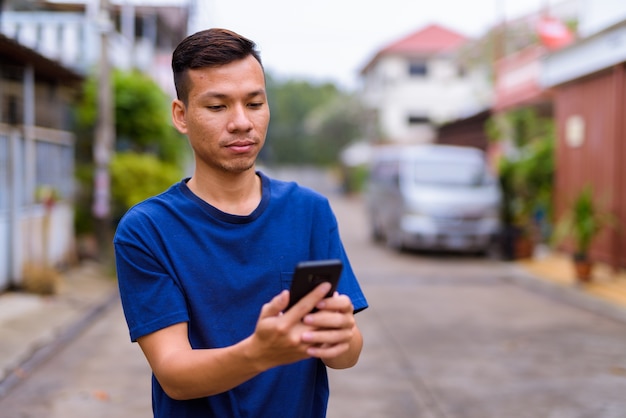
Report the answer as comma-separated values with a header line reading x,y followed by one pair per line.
x,y
599,102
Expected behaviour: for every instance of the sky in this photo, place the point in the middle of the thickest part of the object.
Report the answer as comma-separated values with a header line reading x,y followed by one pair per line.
x,y
331,40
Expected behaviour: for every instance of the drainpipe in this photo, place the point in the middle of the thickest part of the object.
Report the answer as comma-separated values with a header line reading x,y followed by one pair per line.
x,y
21,173
16,162
29,136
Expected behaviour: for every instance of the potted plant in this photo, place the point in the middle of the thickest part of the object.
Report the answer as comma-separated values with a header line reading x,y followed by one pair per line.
x,y
581,223
525,171
516,239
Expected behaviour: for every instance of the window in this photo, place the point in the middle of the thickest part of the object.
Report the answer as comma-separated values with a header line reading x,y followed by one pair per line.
x,y
11,110
418,69
55,165
415,120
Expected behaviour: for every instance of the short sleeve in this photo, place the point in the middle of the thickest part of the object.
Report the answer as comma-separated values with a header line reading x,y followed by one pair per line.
x,y
151,298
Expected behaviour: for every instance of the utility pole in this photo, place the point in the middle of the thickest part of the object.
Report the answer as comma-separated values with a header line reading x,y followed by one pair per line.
x,y
104,141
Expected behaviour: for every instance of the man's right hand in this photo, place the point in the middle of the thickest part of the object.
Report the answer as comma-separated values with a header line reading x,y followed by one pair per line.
x,y
277,338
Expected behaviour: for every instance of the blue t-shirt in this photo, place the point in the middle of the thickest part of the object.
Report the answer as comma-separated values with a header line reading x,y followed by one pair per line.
x,y
180,259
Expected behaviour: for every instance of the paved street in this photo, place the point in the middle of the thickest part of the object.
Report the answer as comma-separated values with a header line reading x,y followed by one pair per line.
x,y
99,375
452,337
445,336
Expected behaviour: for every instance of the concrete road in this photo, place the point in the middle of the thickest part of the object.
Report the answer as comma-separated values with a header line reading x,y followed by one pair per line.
x,y
98,375
456,337
445,336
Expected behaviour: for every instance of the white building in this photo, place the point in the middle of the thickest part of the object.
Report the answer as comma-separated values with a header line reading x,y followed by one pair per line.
x,y
36,162
416,83
141,35
46,50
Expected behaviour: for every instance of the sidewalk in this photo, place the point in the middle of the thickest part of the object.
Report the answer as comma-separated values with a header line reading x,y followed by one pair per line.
x,y
32,327
606,285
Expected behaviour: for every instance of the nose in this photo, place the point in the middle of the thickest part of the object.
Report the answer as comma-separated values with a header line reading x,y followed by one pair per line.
x,y
239,120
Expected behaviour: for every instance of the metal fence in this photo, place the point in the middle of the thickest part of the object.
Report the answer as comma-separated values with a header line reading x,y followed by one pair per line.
x,y
32,230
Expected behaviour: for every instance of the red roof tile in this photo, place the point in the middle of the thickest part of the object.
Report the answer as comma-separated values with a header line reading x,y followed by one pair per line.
x,y
431,39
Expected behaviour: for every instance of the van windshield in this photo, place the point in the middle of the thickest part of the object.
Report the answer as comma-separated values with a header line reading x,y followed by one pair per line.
x,y
451,173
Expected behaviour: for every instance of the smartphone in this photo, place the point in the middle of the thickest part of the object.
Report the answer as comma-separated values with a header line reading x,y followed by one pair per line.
x,y
309,274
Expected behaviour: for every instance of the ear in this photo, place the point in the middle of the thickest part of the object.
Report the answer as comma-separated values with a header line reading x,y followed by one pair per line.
x,y
179,116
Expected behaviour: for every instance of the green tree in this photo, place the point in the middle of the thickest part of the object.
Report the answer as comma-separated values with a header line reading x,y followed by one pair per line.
x,y
142,118
333,126
142,126
310,122
526,173
136,177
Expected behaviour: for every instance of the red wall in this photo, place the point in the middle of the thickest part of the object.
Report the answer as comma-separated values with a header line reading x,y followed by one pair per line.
x,y
601,159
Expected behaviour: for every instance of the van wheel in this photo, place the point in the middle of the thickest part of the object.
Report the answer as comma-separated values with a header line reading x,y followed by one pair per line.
x,y
377,235
376,232
394,241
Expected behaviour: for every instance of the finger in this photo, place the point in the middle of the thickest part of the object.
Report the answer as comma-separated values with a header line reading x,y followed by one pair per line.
x,y
339,303
330,320
275,306
327,350
308,302
323,337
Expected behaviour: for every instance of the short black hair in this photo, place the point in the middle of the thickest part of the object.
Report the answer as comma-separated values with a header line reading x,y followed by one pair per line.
x,y
208,48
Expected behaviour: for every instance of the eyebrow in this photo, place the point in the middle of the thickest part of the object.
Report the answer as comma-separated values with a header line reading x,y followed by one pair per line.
x,y
216,95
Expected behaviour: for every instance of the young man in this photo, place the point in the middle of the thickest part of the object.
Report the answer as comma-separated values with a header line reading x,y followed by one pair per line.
x,y
204,267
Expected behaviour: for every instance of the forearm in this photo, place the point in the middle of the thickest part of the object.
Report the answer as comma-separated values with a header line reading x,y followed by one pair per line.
x,y
194,373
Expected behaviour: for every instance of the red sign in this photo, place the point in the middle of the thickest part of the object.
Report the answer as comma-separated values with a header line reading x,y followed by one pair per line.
x,y
518,78
553,33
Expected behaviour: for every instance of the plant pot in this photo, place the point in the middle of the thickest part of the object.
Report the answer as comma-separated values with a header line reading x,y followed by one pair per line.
x,y
583,267
515,244
524,247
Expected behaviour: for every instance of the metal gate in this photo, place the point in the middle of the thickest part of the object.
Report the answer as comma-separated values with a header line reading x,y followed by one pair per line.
x,y
30,231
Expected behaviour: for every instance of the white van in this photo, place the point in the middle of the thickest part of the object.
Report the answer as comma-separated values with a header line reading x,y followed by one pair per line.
x,y
438,197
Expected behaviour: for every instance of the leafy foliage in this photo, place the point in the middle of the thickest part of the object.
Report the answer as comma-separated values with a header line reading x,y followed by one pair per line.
x,y
135,177
142,118
143,126
582,222
526,173
310,123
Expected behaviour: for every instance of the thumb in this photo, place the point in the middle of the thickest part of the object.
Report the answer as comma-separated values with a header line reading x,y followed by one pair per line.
x,y
275,306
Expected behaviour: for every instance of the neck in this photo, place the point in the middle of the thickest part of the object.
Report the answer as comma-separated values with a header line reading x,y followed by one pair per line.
x,y
236,194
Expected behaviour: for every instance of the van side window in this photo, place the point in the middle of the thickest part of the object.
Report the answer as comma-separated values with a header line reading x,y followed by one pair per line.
x,y
386,173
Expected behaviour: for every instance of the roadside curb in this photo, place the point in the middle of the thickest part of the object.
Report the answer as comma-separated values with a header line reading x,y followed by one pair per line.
x,y
571,294
36,350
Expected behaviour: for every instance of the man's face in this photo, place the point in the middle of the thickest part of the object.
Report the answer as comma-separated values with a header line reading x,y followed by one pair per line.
x,y
226,115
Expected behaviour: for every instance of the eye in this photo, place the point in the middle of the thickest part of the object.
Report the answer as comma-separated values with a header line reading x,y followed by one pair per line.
x,y
256,105
215,108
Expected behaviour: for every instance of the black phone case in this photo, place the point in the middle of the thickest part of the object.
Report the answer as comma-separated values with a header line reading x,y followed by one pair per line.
x,y
309,274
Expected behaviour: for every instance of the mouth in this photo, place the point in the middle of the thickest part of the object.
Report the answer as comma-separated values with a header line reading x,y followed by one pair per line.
x,y
241,146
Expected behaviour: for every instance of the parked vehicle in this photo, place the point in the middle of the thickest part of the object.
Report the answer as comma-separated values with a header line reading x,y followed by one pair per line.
x,y
438,197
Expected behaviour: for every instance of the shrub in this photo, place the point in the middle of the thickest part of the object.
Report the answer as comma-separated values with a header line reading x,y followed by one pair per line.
x,y
135,177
